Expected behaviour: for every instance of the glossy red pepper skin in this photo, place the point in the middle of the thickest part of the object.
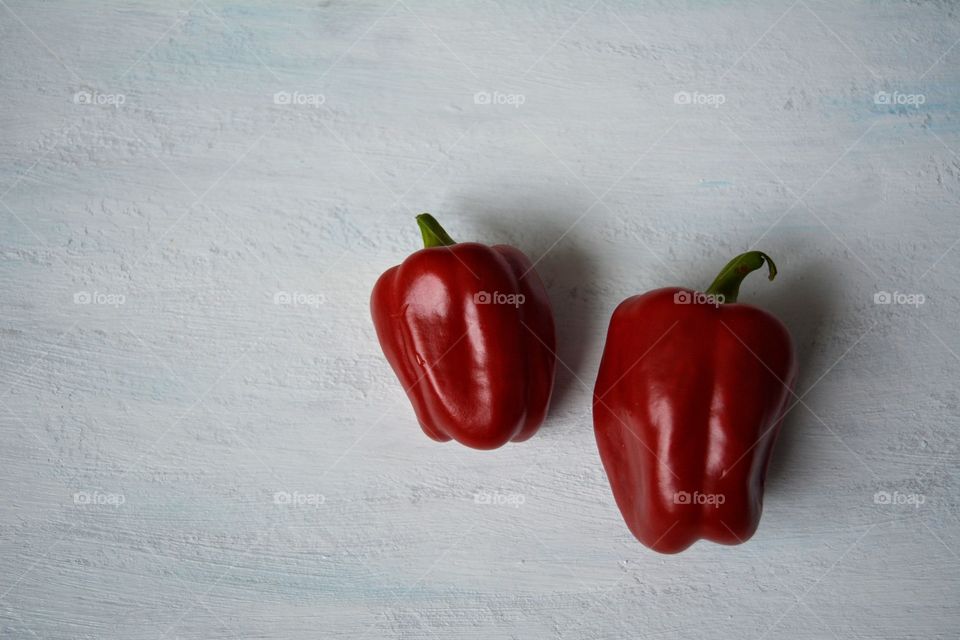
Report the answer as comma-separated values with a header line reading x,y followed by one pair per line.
x,y
687,406
477,368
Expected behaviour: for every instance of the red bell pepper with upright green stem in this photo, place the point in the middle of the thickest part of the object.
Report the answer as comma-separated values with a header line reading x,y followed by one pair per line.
x,y
469,332
688,402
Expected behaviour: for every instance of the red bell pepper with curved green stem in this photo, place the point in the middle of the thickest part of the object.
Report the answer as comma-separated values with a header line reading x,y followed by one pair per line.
x,y
688,403
469,332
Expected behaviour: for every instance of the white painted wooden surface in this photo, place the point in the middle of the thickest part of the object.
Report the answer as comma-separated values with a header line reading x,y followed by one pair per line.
x,y
144,161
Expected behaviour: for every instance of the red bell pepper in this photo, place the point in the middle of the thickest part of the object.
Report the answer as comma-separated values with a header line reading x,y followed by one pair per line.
x,y
688,402
469,332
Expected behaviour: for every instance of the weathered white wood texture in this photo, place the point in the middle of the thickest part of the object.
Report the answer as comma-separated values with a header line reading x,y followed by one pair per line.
x,y
145,161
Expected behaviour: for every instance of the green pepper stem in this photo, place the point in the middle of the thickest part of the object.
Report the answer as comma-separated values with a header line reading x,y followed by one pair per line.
x,y
727,283
433,234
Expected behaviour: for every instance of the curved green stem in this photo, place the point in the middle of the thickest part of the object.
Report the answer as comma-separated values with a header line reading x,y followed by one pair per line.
x,y
727,284
433,234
